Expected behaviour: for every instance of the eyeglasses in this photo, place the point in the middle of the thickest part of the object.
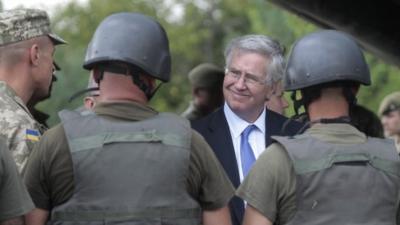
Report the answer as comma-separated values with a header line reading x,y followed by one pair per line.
x,y
248,78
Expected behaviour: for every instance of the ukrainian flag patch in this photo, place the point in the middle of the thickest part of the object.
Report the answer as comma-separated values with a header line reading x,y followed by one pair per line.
x,y
32,135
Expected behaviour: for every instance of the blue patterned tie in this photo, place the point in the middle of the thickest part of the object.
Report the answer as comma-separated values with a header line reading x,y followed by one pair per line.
x,y
246,153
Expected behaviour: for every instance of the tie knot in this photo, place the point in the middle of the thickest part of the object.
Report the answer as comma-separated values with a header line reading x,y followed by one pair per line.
x,y
248,130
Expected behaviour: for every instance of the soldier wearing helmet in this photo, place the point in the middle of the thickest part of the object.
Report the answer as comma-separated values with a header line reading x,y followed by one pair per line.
x,y
276,101
91,97
389,111
206,81
126,163
326,175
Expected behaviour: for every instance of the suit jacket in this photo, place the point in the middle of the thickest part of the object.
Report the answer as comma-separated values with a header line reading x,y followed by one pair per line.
x,y
215,130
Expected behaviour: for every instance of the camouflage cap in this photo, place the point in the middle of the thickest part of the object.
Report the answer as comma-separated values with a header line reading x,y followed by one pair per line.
x,y
23,24
206,75
390,103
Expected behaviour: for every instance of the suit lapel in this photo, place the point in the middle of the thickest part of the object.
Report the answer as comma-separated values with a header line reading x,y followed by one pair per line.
x,y
270,128
273,126
222,144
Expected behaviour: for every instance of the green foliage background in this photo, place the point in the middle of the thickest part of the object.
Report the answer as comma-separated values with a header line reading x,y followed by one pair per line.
x,y
198,31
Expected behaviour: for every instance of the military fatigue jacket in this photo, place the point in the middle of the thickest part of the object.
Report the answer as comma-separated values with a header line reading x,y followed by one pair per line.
x,y
17,125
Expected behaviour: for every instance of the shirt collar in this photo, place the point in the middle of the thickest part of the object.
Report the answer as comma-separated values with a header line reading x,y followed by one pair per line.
x,y
125,110
5,88
237,124
337,133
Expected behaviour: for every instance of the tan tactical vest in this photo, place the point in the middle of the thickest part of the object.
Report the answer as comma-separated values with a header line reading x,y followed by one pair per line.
x,y
128,172
344,183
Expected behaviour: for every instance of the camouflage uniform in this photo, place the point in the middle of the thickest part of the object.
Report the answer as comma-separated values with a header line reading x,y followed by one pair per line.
x,y
16,122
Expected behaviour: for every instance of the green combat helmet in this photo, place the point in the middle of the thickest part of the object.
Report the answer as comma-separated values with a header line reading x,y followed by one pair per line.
x,y
323,58
117,38
206,75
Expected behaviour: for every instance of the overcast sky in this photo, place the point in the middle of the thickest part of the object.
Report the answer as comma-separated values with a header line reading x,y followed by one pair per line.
x,y
47,5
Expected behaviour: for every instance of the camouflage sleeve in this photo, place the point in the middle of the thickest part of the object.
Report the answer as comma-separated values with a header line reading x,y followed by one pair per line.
x,y
20,141
18,126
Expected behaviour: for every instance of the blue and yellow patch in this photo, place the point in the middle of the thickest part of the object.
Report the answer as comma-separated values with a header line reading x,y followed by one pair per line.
x,y
32,135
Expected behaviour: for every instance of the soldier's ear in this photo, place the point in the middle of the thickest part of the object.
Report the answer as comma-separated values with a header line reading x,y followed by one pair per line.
x,y
34,54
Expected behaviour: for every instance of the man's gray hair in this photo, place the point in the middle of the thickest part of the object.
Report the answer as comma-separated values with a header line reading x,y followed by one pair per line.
x,y
264,46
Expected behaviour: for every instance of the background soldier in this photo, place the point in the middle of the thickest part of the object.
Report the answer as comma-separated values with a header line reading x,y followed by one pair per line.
x,y
324,175
276,101
26,67
91,98
206,81
126,163
389,111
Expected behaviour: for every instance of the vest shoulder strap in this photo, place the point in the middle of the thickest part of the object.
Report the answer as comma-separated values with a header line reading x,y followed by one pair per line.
x,y
309,154
89,131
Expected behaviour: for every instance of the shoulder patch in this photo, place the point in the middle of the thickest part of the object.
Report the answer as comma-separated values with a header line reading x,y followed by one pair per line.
x,y
32,135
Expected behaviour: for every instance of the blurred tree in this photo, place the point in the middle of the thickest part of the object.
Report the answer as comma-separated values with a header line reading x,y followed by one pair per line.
x,y
385,79
286,27
198,31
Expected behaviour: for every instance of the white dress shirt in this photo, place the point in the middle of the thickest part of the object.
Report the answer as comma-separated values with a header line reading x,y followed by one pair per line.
x,y
256,137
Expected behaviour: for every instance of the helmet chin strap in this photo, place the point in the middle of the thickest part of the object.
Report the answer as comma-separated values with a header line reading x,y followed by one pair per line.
x,y
150,95
81,92
297,103
341,119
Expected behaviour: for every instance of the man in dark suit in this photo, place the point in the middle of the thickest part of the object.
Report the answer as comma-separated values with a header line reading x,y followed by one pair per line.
x,y
240,131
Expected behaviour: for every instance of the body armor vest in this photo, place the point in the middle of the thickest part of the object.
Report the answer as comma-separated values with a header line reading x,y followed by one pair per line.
x,y
128,172
344,183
